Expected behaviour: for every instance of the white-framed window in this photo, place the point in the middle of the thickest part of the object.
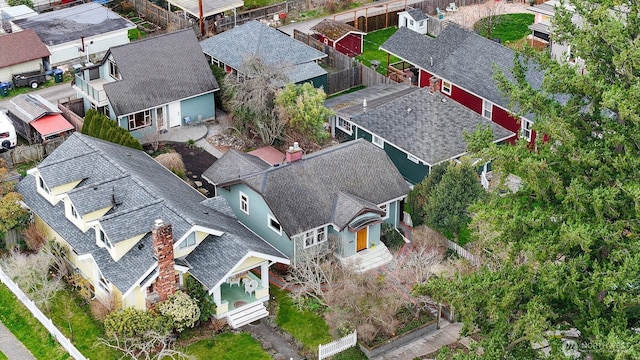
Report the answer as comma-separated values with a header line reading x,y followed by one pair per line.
x,y
525,129
113,70
43,186
104,284
189,241
410,22
274,224
102,237
344,125
326,41
74,212
377,140
315,237
385,208
421,23
413,158
244,203
140,120
487,108
446,87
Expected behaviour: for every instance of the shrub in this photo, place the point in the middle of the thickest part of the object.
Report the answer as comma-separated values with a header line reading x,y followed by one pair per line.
x,y
198,292
181,309
391,237
134,323
173,162
101,127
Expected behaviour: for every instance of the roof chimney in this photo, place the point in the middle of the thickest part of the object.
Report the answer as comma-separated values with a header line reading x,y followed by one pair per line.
x,y
434,84
165,284
294,153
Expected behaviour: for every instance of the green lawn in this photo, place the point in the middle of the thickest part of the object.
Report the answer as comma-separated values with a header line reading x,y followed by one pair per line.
x,y
3,356
73,318
372,42
507,27
66,78
28,329
228,346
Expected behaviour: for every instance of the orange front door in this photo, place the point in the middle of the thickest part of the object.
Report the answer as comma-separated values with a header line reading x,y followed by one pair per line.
x,y
361,239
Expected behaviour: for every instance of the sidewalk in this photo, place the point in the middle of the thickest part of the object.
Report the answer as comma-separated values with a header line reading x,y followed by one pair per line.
x,y
12,347
447,334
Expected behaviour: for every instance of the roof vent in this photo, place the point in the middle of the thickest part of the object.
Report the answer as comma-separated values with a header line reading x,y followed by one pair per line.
x,y
140,246
443,100
409,110
364,103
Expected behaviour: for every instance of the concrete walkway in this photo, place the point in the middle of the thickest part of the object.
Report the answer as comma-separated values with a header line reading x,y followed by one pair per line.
x,y
199,133
12,347
272,340
447,334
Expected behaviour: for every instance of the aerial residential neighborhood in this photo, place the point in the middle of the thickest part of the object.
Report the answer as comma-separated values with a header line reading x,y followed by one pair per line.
x,y
402,179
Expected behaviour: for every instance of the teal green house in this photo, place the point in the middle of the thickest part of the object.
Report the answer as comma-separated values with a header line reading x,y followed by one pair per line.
x,y
297,60
417,128
328,201
151,85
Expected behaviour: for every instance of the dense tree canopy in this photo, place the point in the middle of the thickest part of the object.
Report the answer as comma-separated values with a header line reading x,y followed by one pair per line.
x,y
564,250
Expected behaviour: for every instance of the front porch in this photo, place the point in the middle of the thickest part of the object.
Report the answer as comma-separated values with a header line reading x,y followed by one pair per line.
x,y
239,305
367,259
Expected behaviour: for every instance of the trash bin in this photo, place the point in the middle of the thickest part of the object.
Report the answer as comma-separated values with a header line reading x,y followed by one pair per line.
x,y
58,75
4,89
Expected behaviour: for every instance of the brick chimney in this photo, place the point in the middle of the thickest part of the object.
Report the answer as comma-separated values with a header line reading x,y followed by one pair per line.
x,y
434,84
294,153
165,284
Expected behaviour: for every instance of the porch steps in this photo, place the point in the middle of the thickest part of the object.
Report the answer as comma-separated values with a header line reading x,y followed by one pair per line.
x,y
247,314
368,259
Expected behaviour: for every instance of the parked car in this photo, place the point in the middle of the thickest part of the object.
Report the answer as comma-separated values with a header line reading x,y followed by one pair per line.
x,y
33,79
8,138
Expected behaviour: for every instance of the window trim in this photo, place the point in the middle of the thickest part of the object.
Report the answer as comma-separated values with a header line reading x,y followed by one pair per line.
x,y
379,143
74,212
487,107
113,70
525,129
42,185
313,236
344,128
385,208
270,221
185,243
244,204
146,120
103,238
413,158
446,87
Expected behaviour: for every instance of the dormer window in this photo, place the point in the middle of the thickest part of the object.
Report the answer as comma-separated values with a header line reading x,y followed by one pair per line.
x,y
113,70
189,241
74,212
102,237
43,186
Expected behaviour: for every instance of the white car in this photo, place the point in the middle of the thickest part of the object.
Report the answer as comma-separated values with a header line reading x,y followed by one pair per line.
x,y
8,138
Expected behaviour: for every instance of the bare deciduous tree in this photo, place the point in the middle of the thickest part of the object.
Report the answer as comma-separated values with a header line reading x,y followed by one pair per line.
x,y
151,346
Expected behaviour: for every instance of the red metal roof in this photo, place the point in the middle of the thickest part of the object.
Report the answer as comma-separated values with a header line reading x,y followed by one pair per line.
x,y
268,154
21,46
51,125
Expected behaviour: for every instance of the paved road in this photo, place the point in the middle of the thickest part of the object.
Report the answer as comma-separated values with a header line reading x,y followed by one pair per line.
x,y
52,93
12,347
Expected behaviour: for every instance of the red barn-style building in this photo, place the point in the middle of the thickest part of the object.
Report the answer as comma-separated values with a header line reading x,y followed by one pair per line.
x,y
342,37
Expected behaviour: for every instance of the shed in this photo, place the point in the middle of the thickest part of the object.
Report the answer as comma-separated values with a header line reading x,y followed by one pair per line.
x,y
36,119
21,52
413,19
342,37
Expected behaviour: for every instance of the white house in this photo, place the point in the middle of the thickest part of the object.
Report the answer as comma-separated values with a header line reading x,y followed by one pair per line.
x,y
413,19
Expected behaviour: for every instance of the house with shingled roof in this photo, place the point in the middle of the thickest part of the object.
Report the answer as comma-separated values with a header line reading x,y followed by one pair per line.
x,y
135,230
417,128
340,36
330,201
298,61
21,52
151,85
461,64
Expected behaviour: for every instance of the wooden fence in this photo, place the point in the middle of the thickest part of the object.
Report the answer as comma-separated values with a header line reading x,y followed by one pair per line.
x,y
462,252
46,322
271,13
334,347
70,110
27,153
348,72
165,19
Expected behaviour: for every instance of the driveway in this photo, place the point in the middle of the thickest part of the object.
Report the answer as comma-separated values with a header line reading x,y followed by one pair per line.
x,y
51,93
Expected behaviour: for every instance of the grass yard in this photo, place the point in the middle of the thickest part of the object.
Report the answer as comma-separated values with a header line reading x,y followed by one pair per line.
x,y
372,41
28,329
507,27
73,318
227,346
3,356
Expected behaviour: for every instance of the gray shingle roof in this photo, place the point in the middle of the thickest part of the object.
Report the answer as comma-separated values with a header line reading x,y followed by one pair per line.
x,y
461,56
158,70
417,14
69,24
348,206
232,166
235,248
256,39
350,104
302,194
142,190
432,130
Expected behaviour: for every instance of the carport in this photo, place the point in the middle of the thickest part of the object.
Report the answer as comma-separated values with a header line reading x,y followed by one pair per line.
x,y
201,9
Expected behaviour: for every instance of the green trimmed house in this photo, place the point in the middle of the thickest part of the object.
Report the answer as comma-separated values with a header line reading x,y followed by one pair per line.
x,y
326,201
417,128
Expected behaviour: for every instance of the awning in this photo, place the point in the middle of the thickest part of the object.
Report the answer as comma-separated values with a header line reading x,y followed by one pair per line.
x,y
209,7
51,125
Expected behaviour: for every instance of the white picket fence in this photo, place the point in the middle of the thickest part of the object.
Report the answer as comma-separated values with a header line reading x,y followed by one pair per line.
x,y
334,347
462,252
66,343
